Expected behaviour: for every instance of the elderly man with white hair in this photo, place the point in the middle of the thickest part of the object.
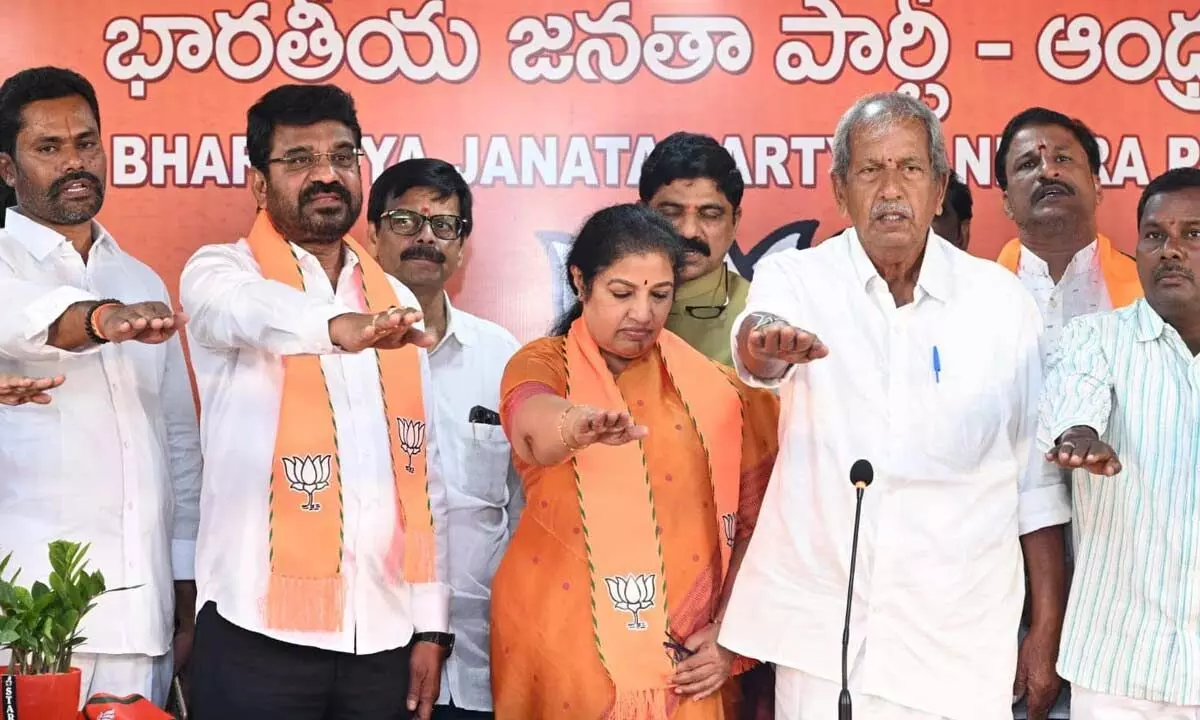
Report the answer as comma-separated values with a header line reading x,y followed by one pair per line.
x,y
890,345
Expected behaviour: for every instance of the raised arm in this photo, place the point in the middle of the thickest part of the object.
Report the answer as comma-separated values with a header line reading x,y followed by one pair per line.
x,y
232,305
767,339
544,427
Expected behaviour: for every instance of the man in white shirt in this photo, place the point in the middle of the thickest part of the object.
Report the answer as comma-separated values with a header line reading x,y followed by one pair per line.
x,y
364,637
115,460
18,389
889,344
419,218
1049,168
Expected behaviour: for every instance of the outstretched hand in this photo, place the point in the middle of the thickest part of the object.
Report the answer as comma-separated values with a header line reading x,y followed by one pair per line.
x,y
585,426
1081,447
388,330
780,341
18,390
150,322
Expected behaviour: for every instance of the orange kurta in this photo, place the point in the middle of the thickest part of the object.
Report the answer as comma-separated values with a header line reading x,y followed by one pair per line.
x,y
544,658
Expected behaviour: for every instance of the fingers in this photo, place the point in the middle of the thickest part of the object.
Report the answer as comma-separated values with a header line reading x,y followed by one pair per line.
x,y
425,710
1092,455
784,342
18,390
692,671
150,322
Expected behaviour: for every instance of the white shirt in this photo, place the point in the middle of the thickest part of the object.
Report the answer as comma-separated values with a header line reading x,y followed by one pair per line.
x,y
241,326
1080,291
483,492
939,583
114,460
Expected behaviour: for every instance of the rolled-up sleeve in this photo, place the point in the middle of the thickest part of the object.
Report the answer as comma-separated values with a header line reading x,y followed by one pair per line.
x,y
771,291
231,305
1043,499
1078,384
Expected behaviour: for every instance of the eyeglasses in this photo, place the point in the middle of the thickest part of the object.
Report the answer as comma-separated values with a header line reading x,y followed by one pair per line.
x,y
305,161
711,312
408,223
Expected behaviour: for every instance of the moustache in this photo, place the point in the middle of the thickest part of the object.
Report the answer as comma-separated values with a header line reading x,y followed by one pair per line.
x,y
1163,270
891,208
1043,189
697,246
323,188
423,252
57,186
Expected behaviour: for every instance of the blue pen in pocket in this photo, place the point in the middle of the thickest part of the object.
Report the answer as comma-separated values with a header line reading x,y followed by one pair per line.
x,y
937,365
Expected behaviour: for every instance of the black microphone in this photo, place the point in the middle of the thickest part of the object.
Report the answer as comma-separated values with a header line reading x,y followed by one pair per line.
x,y
861,475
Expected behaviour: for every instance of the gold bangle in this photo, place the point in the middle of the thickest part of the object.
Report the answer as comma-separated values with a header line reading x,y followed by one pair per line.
x,y
562,430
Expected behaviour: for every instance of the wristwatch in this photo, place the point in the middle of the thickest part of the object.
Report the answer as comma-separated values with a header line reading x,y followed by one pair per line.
x,y
446,640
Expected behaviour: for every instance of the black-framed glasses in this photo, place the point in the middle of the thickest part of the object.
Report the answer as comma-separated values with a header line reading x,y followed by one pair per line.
x,y
409,222
711,312
304,161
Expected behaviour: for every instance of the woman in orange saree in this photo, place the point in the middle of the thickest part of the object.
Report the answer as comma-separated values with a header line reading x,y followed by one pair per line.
x,y
644,466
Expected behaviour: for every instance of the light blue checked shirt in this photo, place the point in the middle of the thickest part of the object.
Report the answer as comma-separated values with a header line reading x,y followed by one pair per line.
x,y
1133,620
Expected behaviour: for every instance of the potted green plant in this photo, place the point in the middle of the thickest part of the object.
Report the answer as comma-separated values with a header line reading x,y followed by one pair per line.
x,y
39,625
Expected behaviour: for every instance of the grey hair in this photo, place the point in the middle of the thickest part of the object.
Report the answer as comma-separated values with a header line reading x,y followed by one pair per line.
x,y
885,110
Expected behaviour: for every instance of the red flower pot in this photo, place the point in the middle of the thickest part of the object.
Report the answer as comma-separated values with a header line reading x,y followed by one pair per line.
x,y
42,697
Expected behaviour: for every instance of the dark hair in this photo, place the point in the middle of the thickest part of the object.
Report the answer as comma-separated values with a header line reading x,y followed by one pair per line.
x,y
296,105
1169,182
32,85
608,236
958,195
1042,116
687,156
437,175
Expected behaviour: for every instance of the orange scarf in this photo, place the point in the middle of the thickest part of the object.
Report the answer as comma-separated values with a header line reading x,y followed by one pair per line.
x,y
1119,271
305,591
625,558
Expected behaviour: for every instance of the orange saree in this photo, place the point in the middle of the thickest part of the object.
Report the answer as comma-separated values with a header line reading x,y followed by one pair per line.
x,y
545,661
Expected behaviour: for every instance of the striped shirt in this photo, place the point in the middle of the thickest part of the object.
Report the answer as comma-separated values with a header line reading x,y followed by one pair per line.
x,y
1133,620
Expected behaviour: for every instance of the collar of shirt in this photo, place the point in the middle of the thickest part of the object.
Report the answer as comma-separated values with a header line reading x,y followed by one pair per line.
x,y
1084,261
1150,325
41,240
707,285
933,279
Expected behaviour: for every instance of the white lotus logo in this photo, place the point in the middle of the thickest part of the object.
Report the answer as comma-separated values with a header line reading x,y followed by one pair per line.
x,y
308,475
633,594
412,438
729,524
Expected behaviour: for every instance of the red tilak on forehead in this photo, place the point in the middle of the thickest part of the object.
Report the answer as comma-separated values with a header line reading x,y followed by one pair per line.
x,y
1042,146
424,209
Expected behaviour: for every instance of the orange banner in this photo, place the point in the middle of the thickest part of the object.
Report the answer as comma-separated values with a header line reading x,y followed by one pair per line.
x,y
549,107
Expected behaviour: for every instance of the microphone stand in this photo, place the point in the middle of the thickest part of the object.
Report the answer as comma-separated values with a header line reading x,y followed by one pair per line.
x,y
844,710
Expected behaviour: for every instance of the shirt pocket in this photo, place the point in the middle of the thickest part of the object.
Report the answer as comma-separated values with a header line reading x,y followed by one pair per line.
x,y
960,418
485,462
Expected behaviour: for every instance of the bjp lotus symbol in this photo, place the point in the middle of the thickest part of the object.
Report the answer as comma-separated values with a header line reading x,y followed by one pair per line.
x,y
308,475
412,438
633,594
